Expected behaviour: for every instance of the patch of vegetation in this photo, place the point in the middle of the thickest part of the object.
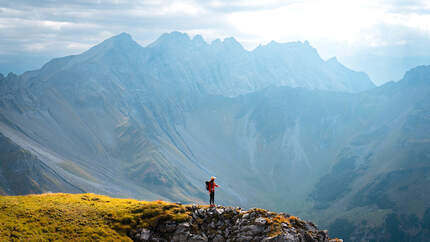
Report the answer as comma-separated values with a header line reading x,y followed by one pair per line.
x,y
275,221
76,170
74,217
377,193
335,184
426,219
393,229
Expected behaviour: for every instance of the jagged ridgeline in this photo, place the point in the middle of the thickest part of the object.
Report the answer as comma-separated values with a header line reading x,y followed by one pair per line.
x,y
94,217
281,128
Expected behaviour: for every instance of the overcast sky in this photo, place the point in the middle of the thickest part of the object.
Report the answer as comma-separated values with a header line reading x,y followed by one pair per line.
x,y
340,28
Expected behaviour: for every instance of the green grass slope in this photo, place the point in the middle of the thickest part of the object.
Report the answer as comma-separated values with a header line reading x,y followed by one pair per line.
x,y
77,217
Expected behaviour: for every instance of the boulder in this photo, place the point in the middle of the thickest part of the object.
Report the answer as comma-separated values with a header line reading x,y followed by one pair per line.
x,y
260,221
145,234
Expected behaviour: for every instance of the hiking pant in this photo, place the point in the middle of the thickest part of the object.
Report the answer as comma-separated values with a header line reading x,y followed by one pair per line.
x,y
212,198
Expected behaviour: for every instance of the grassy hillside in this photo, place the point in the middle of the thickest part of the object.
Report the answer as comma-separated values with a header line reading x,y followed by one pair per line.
x,y
80,217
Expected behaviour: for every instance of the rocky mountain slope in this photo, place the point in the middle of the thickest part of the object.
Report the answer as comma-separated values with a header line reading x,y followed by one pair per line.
x,y
22,172
379,181
79,217
279,127
106,119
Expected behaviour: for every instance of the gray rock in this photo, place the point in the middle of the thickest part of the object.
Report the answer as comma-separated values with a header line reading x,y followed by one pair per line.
x,y
281,238
219,211
226,232
252,229
310,227
200,212
309,238
218,238
184,225
260,221
197,238
323,235
168,227
180,236
145,234
156,239
244,239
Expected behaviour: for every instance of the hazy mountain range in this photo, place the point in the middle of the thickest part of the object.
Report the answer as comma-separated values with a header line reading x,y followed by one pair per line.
x,y
280,128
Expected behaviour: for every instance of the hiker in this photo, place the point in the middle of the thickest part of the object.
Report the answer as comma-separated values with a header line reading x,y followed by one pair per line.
x,y
210,186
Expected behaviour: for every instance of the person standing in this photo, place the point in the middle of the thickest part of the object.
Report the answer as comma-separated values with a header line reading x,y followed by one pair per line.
x,y
211,189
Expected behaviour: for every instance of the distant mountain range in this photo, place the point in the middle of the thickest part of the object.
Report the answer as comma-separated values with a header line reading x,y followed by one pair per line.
x,y
280,128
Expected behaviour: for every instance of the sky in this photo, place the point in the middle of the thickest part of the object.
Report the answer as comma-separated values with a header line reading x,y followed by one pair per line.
x,y
381,37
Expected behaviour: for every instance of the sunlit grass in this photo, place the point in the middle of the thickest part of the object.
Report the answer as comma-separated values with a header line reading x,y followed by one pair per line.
x,y
80,217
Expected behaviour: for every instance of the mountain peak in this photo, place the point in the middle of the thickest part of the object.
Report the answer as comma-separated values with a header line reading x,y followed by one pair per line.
x,y
232,42
172,38
122,36
417,75
288,45
123,42
120,39
176,35
198,40
216,42
333,61
11,75
228,43
296,49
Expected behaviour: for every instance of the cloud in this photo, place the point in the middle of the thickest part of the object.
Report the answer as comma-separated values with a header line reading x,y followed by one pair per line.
x,y
81,23
335,27
408,6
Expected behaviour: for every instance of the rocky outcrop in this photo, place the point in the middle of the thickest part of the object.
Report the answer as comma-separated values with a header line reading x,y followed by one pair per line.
x,y
233,224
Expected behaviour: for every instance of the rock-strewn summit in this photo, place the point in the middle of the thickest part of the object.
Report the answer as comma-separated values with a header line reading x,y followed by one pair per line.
x,y
91,217
233,224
